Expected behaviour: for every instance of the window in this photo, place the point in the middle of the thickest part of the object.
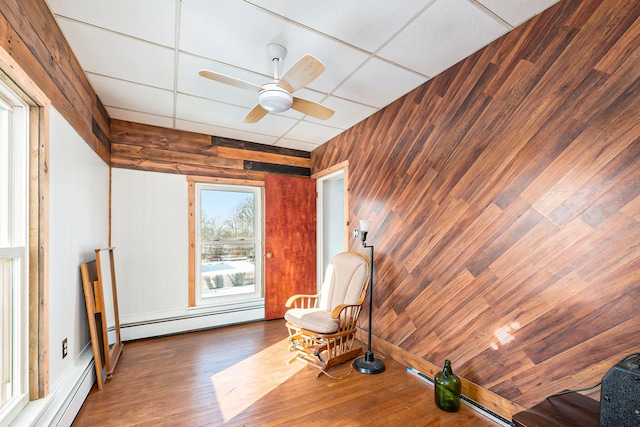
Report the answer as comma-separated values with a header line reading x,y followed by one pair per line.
x,y
228,244
14,242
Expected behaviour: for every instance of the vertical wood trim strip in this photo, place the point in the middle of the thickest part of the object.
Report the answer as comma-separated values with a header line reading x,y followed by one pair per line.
x,y
110,232
192,242
34,253
39,285
42,283
36,360
347,222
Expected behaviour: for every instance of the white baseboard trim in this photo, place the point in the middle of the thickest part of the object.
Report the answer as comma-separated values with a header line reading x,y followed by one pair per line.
x,y
65,398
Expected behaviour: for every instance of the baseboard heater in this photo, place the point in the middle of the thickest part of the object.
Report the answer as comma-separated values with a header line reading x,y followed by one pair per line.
x,y
465,400
193,315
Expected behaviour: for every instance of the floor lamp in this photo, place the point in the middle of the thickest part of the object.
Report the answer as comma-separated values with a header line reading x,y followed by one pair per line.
x,y
368,364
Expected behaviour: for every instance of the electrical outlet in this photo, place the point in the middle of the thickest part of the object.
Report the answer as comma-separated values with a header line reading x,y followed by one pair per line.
x,y
65,348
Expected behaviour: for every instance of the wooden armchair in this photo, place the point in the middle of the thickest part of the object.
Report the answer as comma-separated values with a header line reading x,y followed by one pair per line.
x,y
322,327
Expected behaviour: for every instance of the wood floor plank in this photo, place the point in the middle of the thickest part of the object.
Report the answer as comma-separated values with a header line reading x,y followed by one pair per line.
x,y
238,376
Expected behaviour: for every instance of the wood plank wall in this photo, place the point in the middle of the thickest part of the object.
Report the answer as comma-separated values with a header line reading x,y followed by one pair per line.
x,y
504,197
151,148
29,33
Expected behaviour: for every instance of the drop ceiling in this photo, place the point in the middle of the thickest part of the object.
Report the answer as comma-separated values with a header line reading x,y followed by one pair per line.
x,y
142,57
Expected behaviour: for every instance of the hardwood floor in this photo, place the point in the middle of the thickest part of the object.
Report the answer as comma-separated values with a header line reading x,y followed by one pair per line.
x,y
238,376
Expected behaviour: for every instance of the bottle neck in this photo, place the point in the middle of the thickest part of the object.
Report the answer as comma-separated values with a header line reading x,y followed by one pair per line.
x,y
447,368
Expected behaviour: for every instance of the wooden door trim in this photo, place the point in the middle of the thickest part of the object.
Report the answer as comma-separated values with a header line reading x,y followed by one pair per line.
x,y
345,175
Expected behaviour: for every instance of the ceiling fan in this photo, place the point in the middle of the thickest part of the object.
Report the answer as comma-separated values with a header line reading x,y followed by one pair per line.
x,y
276,96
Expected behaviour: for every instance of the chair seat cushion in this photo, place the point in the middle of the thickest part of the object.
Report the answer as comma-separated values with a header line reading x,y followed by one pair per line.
x,y
313,319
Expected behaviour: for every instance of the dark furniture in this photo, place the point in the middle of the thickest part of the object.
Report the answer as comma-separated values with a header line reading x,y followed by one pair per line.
x,y
567,410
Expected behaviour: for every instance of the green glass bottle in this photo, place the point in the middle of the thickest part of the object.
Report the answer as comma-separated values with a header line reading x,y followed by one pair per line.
x,y
447,389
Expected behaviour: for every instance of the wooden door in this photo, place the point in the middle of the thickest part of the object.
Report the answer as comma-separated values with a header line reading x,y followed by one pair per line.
x,y
290,241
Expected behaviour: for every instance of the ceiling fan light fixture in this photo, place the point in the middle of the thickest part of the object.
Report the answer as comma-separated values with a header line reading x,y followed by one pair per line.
x,y
276,96
274,99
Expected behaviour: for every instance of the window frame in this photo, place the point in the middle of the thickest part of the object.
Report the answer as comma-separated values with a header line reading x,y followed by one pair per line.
x,y
23,87
232,302
15,244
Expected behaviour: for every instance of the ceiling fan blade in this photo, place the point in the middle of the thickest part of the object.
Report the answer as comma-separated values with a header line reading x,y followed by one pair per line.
x,y
222,78
303,72
311,108
255,114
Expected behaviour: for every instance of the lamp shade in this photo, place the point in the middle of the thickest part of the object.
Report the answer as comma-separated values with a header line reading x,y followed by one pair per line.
x,y
364,225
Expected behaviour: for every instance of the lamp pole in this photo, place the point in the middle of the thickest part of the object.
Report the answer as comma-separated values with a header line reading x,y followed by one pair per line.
x,y
368,364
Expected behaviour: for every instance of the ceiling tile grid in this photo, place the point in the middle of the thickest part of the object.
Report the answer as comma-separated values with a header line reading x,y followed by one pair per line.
x,y
143,57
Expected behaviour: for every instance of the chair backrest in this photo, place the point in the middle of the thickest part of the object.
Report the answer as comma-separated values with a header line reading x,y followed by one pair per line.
x,y
346,280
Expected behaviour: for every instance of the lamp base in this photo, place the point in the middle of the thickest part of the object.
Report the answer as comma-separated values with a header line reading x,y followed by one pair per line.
x,y
368,364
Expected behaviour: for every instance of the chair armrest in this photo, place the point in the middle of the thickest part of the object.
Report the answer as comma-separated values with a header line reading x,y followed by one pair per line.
x,y
335,313
347,316
302,301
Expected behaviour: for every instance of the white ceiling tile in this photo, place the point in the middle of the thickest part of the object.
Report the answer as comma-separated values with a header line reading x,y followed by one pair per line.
x,y
311,95
229,116
208,111
138,117
378,83
515,12
447,32
346,115
225,132
340,62
120,56
296,145
152,20
237,33
191,83
311,132
130,96
365,27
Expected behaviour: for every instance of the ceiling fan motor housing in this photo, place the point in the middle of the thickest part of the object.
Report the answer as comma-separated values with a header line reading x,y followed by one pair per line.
x,y
274,99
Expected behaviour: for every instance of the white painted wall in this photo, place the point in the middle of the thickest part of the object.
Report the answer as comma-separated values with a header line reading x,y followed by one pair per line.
x,y
78,223
150,234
